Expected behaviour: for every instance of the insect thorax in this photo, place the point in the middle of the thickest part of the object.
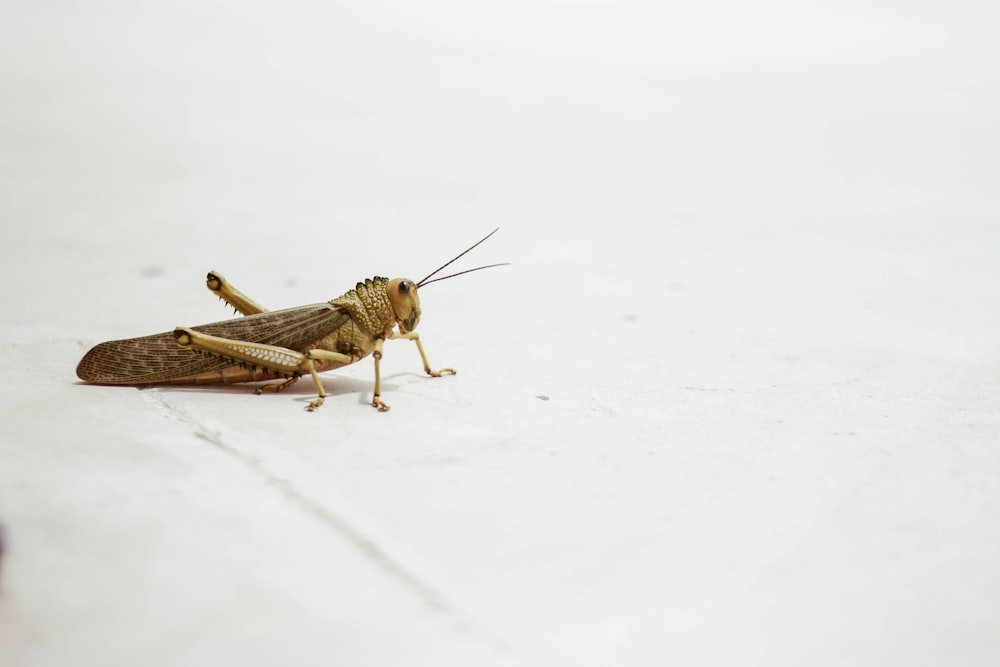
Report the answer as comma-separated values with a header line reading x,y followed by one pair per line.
x,y
369,305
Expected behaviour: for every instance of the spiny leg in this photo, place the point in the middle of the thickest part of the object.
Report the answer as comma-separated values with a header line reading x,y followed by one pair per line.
x,y
235,298
415,337
271,357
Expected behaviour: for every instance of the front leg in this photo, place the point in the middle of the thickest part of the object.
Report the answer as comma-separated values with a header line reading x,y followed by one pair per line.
x,y
235,298
280,360
415,337
377,395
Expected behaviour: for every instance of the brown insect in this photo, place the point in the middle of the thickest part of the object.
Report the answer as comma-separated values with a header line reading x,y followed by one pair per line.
x,y
273,345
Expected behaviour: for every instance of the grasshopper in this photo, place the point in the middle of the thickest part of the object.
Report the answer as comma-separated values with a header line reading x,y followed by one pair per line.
x,y
273,344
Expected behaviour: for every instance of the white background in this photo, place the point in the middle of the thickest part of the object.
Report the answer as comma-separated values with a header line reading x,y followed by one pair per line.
x,y
735,402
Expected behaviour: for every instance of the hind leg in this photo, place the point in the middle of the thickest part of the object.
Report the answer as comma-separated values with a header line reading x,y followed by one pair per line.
x,y
235,298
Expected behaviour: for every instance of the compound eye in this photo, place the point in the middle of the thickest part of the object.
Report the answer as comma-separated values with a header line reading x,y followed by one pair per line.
x,y
404,287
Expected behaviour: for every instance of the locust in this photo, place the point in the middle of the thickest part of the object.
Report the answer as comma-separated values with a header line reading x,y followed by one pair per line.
x,y
267,345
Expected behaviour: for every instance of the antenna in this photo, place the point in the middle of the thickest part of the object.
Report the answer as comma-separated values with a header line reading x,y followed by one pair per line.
x,y
478,268
427,281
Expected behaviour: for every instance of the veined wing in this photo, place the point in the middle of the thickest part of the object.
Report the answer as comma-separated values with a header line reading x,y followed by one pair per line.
x,y
158,358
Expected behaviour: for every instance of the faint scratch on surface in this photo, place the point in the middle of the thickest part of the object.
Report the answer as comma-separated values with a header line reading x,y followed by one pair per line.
x,y
368,547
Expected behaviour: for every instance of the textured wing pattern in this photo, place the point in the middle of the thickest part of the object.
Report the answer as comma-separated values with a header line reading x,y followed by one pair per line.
x,y
157,358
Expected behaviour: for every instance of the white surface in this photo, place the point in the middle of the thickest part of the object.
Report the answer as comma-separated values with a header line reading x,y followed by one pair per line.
x,y
755,278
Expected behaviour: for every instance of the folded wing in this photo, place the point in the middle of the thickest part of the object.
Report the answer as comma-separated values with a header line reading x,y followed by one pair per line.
x,y
157,358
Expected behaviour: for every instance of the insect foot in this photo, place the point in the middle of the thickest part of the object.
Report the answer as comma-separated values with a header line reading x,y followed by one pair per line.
x,y
280,386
